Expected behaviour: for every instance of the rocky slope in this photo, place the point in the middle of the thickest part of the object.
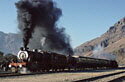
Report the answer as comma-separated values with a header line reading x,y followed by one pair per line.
x,y
112,42
10,43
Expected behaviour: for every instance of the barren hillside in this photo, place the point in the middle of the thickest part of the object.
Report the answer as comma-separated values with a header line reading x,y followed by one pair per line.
x,y
113,42
10,42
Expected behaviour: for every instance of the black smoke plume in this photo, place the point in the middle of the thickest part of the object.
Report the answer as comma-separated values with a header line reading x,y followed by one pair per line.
x,y
37,22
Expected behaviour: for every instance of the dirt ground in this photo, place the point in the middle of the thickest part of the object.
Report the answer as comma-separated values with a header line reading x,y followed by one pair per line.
x,y
62,77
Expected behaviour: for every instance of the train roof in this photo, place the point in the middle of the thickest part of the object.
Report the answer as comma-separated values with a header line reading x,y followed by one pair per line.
x,y
92,58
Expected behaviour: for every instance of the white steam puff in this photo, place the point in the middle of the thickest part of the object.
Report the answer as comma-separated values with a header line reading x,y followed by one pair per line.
x,y
43,40
98,52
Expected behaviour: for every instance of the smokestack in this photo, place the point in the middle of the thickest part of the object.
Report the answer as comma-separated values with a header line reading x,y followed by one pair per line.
x,y
37,19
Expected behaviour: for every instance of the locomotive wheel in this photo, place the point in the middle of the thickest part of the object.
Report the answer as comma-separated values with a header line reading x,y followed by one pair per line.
x,y
23,70
33,67
13,69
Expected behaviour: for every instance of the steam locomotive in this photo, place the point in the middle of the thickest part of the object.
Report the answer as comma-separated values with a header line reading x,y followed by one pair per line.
x,y
39,61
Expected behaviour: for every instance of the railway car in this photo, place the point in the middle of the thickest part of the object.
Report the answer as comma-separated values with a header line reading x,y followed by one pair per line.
x,y
94,63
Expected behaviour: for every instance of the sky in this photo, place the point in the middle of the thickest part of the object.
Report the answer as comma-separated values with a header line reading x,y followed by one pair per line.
x,y
84,20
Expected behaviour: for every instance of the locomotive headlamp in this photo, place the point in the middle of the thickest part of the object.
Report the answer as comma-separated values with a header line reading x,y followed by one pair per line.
x,y
10,66
20,65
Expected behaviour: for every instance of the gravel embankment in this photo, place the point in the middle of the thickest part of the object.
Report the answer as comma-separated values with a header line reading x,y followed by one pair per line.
x,y
64,77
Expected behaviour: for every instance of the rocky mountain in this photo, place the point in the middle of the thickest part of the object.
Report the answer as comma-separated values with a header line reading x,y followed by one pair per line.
x,y
10,42
111,42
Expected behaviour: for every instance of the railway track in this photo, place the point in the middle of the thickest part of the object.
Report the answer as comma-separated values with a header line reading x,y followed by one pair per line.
x,y
26,74
9,74
4,75
103,78
120,79
95,79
